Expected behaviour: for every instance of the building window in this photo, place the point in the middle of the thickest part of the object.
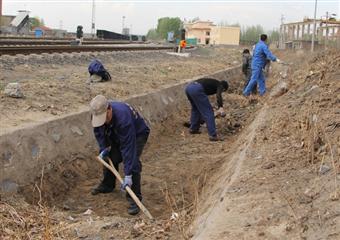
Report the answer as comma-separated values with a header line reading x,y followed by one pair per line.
x,y
207,33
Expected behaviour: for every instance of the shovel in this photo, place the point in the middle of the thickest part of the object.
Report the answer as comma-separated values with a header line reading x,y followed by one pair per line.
x,y
127,188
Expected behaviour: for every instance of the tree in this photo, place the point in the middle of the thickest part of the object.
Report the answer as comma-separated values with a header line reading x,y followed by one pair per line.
x,y
274,36
195,19
166,25
226,24
251,34
152,34
36,22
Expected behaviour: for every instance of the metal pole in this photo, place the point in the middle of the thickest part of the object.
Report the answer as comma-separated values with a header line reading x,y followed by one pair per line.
x,y
314,23
123,24
326,39
282,40
93,19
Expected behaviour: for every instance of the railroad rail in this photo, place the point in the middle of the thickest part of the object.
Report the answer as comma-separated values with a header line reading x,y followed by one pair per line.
x,y
43,38
25,50
12,42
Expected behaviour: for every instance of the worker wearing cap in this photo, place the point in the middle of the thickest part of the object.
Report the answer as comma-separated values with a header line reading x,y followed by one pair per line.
x,y
197,92
261,53
121,134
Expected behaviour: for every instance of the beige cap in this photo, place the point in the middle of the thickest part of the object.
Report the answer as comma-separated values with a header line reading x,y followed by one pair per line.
x,y
98,106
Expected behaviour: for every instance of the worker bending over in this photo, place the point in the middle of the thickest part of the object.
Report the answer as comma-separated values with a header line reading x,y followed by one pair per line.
x,y
201,109
121,134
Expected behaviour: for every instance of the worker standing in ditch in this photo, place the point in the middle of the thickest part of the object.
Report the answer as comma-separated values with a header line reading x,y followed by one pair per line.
x,y
260,54
201,109
121,134
246,68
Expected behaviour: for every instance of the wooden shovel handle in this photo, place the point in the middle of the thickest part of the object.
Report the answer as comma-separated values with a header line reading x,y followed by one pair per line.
x,y
127,188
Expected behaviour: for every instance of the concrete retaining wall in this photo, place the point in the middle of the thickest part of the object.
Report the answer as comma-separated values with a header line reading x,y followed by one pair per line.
x,y
25,152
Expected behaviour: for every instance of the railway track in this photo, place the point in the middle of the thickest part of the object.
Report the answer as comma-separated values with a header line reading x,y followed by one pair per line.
x,y
25,50
20,42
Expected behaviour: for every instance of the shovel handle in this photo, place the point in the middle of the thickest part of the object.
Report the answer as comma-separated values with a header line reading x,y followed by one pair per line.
x,y
127,188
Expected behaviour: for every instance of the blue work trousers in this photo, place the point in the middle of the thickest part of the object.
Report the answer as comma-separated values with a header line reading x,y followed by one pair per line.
x,y
200,108
257,77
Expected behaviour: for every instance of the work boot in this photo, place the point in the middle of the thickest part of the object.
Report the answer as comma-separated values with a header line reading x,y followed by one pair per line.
x,y
215,138
187,124
101,188
133,209
191,131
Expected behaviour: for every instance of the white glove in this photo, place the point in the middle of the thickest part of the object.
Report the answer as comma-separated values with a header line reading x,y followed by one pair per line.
x,y
278,60
220,112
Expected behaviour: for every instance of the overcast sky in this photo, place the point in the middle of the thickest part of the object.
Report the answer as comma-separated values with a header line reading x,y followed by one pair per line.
x,y
142,15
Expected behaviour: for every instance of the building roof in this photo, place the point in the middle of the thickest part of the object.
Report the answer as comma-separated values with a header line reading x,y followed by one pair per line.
x,y
44,28
19,18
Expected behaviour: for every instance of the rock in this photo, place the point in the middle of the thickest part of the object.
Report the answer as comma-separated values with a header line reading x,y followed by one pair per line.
x,y
268,165
13,90
88,212
139,226
280,89
61,78
77,130
56,137
247,225
174,216
309,193
8,186
283,74
289,227
111,225
97,237
95,78
66,207
80,234
324,169
315,89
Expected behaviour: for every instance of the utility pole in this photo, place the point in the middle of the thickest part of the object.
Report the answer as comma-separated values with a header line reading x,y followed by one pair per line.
x,y
326,38
282,31
0,12
123,23
93,26
314,25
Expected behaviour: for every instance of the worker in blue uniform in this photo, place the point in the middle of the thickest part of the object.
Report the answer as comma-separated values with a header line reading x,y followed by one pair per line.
x,y
260,55
201,110
121,134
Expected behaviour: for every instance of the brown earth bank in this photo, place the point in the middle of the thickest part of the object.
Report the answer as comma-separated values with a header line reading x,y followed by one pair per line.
x,y
54,85
275,176
282,180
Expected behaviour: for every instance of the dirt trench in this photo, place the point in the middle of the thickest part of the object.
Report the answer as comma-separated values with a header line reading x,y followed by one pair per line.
x,y
274,192
176,167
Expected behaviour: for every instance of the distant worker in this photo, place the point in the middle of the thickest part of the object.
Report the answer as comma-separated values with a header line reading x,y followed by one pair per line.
x,y
201,109
182,45
96,68
246,68
121,134
260,54
79,34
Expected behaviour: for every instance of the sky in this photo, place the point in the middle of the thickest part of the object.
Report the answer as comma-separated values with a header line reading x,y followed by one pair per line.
x,y
142,15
